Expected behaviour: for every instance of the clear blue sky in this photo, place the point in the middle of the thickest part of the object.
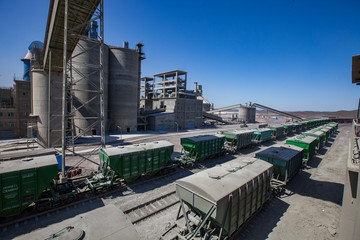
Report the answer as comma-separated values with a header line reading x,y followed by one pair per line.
x,y
287,54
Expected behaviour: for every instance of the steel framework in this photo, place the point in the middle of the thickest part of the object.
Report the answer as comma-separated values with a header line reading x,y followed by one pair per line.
x,y
70,131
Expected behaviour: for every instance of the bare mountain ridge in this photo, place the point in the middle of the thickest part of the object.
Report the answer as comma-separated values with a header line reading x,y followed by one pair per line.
x,y
316,114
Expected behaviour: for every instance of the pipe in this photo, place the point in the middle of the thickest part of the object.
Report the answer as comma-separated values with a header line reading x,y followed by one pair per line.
x,y
64,107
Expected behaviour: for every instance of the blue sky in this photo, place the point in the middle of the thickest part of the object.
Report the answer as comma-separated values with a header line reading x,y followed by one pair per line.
x,y
287,54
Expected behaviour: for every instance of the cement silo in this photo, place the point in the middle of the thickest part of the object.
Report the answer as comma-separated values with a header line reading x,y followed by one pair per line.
x,y
123,89
47,124
247,114
86,85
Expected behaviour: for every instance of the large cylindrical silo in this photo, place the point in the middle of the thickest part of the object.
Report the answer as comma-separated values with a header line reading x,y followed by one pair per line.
x,y
40,105
123,89
243,114
86,85
252,114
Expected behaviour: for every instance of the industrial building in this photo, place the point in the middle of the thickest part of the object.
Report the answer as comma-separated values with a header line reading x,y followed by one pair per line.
x,y
245,113
15,109
166,104
165,98
120,93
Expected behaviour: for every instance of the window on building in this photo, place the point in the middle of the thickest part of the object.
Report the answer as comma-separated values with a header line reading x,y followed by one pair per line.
x,y
1,114
12,124
26,104
26,114
10,114
25,124
1,124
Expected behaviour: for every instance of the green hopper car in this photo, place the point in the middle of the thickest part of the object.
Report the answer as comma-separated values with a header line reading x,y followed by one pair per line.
x,y
129,162
277,131
326,132
201,147
237,139
319,137
288,129
262,135
297,128
331,127
304,125
308,143
22,182
287,160
334,124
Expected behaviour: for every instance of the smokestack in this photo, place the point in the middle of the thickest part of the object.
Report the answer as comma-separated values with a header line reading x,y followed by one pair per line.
x,y
196,88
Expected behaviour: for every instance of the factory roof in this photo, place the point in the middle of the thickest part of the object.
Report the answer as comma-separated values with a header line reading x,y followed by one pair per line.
x,y
170,73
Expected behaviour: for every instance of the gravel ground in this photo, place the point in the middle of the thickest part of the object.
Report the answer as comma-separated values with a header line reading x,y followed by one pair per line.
x,y
309,209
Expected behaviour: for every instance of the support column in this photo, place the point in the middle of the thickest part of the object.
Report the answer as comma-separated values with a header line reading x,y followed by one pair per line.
x,y
64,93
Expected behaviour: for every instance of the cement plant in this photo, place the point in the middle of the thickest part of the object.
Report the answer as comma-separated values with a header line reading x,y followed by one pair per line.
x,y
90,148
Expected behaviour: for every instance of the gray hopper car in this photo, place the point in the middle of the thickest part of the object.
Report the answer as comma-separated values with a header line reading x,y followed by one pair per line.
x,y
217,201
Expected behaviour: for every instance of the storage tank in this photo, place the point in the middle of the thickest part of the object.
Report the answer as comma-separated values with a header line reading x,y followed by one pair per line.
x,y
86,81
247,114
40,106
123,89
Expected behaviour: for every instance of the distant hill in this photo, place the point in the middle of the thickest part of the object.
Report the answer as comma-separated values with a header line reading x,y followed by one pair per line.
x,y
313,114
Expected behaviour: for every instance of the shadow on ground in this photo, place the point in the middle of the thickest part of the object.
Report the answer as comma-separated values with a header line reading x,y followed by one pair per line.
x,y
49,219
272,212
302,184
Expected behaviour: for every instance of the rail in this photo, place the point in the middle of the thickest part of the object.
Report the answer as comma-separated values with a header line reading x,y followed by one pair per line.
x,y
151,207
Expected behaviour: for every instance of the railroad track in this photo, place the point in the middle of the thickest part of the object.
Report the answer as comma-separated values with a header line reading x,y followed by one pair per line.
x,y
85,196
151,207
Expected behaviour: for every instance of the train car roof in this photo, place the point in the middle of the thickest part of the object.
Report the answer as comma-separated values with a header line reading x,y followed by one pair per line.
x,y
105,222
27,163
238,131
302,138
204,137
285,153
216,183
136,147
262,130
27,154
315,132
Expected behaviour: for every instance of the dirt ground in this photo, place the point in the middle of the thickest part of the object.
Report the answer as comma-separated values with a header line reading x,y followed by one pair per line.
x,y
309,209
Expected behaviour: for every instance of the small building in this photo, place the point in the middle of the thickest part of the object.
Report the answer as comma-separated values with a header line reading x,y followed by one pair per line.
x,y
15,108
161,121
166,92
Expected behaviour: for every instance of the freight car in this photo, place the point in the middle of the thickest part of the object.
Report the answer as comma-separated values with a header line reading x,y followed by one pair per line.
x,y
32,181
129,162
335,125
216,202
288,129
237,139
277,131
318,135
201,147
262,135
308,143
326,132
287,160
